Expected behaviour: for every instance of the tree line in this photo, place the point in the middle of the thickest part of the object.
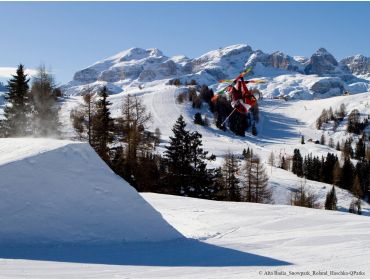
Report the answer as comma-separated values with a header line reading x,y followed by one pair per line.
x,y
130,150
329,169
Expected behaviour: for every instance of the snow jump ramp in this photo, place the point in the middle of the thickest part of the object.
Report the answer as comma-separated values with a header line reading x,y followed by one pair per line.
x,y
58,191
60,202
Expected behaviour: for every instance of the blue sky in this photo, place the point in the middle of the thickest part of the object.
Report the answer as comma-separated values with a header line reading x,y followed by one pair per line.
x,y
68,36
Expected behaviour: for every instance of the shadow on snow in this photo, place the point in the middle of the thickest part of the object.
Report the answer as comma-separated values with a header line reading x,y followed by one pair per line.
x,y
181,252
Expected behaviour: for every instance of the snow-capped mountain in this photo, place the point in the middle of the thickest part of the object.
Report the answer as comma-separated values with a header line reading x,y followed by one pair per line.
x,y
323,63
358,64
321,75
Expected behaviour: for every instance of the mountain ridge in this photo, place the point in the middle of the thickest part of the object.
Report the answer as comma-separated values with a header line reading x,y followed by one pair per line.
x,y
137,66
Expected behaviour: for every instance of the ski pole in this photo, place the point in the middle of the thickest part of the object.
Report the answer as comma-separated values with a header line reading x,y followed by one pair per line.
x,y
228,117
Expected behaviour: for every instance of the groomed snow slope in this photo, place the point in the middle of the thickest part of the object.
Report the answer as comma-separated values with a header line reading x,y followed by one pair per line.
x,y
230,240
55,191
309,239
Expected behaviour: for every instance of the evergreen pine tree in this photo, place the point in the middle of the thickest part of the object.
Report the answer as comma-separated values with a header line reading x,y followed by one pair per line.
x,y
17,109
177,157
347,174
307,167
244,153
331,200
328,167
322,139
198,119
297,163
200,177
102,128
360,149
363,173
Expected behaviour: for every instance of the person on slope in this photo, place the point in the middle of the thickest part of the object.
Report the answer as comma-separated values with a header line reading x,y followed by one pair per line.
x,y
241,98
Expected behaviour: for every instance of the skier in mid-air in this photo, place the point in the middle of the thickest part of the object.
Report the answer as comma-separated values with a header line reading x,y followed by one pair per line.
x,y
241,98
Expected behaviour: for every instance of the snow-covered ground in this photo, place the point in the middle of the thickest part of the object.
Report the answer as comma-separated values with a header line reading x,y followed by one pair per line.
x,y
224,240
58,191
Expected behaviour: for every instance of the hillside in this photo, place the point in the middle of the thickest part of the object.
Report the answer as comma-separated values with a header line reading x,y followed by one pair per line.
x,y
280,128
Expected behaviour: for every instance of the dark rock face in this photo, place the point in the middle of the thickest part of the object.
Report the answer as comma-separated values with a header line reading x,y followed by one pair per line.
x,y
87,75
328,84
321,63
147,76
116,74
168,68
357,64
282,61
258,56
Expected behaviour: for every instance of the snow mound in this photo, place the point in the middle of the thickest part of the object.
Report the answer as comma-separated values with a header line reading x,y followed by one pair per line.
x,y
57,191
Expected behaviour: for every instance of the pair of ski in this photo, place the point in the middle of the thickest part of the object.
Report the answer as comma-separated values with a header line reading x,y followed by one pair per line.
x,y
241,75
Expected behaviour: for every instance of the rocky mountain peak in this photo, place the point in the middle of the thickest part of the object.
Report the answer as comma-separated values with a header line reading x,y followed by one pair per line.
x,y
358,64
321,63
